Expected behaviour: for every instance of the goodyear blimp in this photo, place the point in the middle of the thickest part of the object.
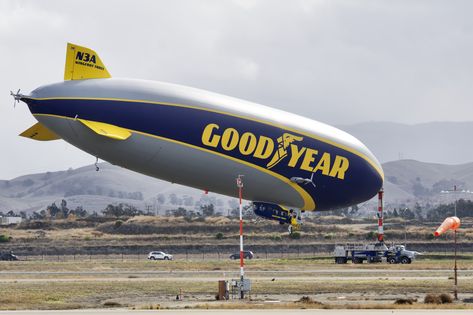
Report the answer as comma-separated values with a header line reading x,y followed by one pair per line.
x,y
204,140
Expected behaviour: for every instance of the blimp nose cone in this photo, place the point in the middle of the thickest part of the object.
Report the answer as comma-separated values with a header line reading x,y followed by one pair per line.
x,y
368,175
363,179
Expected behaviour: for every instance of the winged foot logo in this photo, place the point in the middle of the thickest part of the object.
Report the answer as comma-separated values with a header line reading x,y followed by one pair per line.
x,y
264,148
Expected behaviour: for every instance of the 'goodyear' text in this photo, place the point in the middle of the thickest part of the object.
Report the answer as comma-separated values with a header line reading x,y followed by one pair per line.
x,y
263,148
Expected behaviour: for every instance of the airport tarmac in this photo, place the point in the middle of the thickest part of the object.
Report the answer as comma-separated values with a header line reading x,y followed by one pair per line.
x,y
243,312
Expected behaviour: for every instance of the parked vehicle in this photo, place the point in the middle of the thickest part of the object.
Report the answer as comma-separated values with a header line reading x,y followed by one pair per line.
x,y
247,254
373,253
399,254
159,256
8,256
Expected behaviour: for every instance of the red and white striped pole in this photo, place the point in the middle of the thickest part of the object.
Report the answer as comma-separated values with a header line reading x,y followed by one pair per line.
x,y
242,263
380,216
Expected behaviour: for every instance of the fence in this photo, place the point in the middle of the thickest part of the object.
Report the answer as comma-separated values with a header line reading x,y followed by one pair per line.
x,y
183,256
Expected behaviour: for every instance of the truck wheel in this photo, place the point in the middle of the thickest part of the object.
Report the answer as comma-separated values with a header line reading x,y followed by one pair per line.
x,y
152,258
340,260
166,258
357,260
392,260
405,260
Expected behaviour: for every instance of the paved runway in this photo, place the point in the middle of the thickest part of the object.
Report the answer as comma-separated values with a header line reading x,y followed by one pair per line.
x,y
243,312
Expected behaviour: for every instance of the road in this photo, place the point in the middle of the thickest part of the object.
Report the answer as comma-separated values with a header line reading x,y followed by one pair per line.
x,y
242,312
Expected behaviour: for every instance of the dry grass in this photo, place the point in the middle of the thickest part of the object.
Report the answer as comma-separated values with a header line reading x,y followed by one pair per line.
x,y
296,305
92,293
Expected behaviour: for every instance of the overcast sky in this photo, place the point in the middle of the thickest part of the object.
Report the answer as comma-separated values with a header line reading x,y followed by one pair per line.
x,y
339,62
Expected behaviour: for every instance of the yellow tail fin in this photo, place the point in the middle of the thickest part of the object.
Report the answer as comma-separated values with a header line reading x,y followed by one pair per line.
x,y
107,130
83,63
39,132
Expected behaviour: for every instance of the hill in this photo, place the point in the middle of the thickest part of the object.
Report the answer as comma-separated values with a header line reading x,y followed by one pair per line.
x,y
95,190
410,180
436,142
407,182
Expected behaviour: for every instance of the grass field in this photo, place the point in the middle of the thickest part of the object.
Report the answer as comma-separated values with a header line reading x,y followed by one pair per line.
x,y
96,265
143,284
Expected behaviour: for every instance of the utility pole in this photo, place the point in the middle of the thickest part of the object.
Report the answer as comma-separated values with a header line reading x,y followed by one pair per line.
x,y
380,216
242,256
455,268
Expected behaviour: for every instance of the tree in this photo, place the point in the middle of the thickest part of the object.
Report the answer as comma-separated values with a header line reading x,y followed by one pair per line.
x,y
406,213
161,199
173,199
418,189
207,210
354,210
64,209
53,210
122,209
79,212
418,211
464,209
180,212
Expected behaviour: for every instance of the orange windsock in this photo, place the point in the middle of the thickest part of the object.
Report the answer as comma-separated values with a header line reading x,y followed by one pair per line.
x,y
451,223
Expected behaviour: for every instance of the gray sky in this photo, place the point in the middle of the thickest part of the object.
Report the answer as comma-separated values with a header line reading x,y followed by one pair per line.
x,y
339,62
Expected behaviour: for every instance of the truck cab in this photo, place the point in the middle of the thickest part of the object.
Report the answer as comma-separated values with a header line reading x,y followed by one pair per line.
x,y
399,254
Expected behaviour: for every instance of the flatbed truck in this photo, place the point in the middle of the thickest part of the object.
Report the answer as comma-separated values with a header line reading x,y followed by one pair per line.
x,y
373,253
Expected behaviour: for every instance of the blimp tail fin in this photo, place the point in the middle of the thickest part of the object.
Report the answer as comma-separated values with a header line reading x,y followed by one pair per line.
x,y
83,63
107,130
39,132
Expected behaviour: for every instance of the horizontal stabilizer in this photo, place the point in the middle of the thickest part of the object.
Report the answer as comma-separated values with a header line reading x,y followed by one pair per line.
x,y
83,63
39,132
107,130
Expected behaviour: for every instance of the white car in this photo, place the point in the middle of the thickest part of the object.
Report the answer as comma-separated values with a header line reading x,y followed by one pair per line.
x,y
159,256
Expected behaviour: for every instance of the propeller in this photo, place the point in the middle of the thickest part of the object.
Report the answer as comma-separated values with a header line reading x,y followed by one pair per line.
x,y
16,97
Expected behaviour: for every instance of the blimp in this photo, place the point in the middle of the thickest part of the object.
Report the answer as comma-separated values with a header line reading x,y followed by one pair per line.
x,y
204,140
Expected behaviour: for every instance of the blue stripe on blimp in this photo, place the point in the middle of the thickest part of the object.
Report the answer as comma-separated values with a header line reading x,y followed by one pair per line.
x,y
357,183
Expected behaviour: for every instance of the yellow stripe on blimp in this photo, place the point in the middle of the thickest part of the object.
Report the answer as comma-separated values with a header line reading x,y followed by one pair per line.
x,y
309,203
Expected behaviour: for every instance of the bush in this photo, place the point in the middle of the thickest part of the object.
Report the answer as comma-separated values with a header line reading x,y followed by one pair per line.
x,y
118,223
295,235
4,238
446,298
219,236
371,235
276,238
432,299
328,236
